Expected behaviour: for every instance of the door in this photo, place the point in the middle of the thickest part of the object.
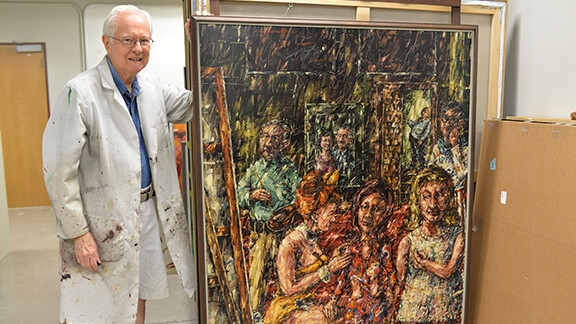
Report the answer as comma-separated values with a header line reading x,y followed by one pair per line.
x,y
23,116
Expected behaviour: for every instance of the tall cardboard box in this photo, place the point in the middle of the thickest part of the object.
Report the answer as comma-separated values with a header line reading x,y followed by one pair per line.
x,y
522,239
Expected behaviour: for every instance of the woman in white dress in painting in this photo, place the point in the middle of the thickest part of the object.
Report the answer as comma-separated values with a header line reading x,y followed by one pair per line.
x,y
430,257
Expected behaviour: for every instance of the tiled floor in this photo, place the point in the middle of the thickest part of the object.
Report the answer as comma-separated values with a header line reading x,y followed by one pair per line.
x,y
29,281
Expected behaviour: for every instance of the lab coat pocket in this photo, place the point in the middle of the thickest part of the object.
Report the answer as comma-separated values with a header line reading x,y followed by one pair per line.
x,y
165,135
109,236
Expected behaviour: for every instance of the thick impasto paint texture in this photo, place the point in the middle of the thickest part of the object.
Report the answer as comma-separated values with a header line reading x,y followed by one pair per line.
x,y
350,164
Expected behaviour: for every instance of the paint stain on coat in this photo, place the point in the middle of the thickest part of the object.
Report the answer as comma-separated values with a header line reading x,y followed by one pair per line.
x,y
50,177
109,236
69,94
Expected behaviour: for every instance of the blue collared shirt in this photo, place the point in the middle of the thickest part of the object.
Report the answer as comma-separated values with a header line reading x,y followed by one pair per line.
x,y
132,105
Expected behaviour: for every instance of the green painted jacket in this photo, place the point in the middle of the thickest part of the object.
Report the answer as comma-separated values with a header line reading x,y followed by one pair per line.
x,y
279,177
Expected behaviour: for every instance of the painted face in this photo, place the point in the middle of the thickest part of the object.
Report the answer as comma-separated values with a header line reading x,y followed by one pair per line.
x,y
327,142
425,113
372,212
272,142
449,120
434,197
344,138
128,61
326,217
454,136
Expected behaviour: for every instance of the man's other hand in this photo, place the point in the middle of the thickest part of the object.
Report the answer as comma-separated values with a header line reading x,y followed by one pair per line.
x,y
87,252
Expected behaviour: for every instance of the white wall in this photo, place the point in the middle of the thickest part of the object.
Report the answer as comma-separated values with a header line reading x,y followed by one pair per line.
x,y
540,59
73,37
57,25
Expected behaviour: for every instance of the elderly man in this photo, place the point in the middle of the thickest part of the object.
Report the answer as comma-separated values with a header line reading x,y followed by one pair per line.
x,y
269,184
109,168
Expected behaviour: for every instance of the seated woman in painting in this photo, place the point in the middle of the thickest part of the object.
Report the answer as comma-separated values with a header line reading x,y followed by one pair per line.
x,y
325,161
301,264
364,293
430,256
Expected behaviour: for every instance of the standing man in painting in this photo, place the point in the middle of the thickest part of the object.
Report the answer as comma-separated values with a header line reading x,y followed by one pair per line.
x,y
269,184
344,156
109,169
419,138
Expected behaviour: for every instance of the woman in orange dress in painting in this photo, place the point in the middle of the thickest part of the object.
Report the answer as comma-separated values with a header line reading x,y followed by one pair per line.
x,y
302,266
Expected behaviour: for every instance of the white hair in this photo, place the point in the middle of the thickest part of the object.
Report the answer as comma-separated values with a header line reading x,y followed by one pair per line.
x,y
110,24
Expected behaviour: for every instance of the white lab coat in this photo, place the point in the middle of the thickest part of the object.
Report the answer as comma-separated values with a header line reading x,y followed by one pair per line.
x,y
91,158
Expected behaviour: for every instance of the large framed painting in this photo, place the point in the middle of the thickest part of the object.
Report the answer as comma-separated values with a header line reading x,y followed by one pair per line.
x,y
331,167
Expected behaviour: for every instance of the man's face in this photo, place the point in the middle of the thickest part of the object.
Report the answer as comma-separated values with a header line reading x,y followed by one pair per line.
x,y
434,198
344,139
449,120
426,113
272,142
128,61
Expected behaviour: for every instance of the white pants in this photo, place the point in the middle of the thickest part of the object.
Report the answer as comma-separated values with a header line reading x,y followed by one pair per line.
x,y
153,277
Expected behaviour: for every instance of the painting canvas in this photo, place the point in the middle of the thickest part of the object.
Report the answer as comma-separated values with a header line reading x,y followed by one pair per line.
x,y
331,170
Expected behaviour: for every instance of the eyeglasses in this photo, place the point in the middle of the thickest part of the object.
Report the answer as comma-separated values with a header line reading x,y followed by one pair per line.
x,y
130,42
270,137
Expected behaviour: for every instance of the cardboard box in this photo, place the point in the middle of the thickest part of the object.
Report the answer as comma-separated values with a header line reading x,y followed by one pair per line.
x,y
522,238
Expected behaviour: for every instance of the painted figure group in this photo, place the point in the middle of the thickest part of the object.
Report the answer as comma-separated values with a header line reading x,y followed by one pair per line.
x,y
337,153
315,259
